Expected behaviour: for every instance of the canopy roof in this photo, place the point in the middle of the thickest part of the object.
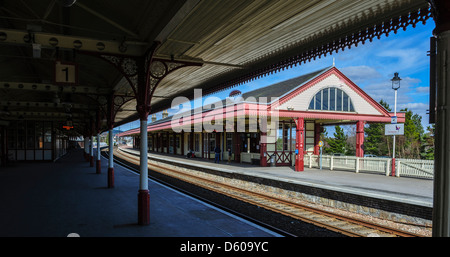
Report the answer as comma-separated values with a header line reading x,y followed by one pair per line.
x,y
291,99
234,40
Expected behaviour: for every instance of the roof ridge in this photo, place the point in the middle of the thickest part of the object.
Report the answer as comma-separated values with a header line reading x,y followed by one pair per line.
x,y
306,78
298,78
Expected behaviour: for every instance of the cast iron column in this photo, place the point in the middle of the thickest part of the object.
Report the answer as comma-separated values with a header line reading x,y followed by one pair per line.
x,y
143,194
300,128
111,159
317,131
98,164
441,199
86,148
91,152
359,138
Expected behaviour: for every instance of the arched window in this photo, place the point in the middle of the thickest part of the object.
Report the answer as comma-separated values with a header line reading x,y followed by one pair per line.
x,y
331,99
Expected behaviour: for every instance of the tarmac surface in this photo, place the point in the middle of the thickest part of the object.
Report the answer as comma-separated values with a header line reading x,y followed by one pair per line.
x,y
67,198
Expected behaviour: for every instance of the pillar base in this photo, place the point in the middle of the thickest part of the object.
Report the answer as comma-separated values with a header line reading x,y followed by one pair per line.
x,y
393,167
110,177
143,207
299,165
91,160
98,167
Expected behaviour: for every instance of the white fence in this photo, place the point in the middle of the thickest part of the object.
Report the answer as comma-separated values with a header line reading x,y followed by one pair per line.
x,y
403,167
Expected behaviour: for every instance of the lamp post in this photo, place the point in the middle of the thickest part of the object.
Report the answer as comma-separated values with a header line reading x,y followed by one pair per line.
x,y
395,85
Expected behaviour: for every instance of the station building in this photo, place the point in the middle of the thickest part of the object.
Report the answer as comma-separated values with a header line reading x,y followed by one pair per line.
x,y
266,126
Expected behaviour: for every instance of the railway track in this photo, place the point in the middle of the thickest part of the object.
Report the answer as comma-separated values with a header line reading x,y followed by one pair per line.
x,y
348,226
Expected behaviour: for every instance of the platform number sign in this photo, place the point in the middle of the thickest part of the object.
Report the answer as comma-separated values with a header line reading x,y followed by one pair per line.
x,y
65,73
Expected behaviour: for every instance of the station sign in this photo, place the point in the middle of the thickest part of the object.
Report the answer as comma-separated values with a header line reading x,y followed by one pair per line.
x,y
66,73
394,129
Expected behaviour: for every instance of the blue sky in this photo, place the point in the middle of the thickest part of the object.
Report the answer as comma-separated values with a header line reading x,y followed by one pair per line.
x,y
371,66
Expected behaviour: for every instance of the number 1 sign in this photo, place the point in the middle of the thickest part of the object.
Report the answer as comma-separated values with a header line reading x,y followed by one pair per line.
x,y
66,73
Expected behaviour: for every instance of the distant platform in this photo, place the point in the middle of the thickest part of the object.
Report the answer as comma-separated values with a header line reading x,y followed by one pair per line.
x,y
402,189
398,198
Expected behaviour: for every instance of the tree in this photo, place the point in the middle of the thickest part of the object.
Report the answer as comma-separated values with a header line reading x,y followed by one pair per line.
x,y
385,105
375,139
376,142
410,143
338,144
427,149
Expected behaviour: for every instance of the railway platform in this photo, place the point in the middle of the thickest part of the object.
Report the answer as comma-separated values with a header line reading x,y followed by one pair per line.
x,y
404,200
401,189
55,199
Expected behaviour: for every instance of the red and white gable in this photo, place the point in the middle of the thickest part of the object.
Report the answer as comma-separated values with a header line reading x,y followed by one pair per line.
x,y
364,107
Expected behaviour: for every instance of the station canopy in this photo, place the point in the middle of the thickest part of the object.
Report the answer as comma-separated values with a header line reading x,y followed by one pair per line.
x,y
233,41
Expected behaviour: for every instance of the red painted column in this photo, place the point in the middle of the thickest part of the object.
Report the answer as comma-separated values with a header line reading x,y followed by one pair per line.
x,y
317,131
359,138
219,145
201,142
299,143
237,145
263,149
167,141
191,141
174,143
182,142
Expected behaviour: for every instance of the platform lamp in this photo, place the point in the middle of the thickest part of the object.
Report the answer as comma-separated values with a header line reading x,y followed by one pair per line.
x,y
395,85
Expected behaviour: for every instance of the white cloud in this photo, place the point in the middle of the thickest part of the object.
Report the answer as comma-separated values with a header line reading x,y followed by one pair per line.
x,y
414,106
360,73
423,89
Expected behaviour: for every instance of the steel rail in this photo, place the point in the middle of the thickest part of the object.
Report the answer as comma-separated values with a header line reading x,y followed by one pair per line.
x,y
242,194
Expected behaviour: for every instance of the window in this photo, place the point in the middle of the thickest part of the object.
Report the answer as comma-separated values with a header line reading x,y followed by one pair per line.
x,y
150,142
171,138
30,135
229,142
212,141
325,99
39,135
47,135
338,99
286,137
331,99
21,135
318,101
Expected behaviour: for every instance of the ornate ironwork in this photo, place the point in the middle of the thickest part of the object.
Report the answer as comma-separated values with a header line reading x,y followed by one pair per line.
x,y
160,68
127,66
327,47
143,74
